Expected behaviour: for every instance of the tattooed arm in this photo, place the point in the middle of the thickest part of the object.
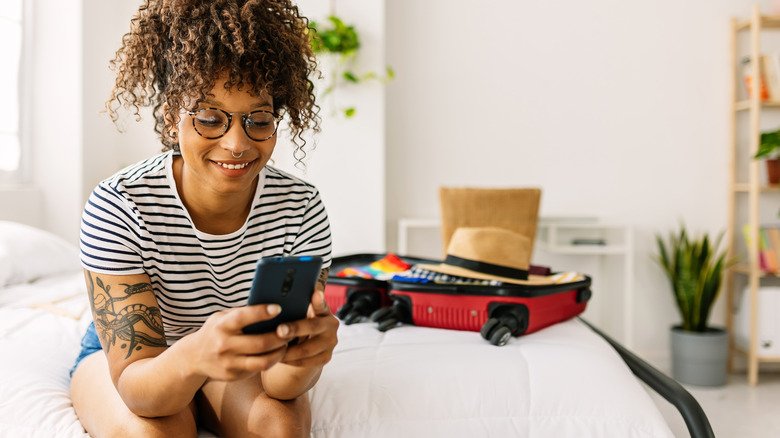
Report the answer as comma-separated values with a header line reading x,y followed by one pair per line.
x,y
155,380
302,364
128,322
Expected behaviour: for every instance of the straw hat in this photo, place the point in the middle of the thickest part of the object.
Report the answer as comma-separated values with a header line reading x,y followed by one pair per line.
x,y
489,253
515,209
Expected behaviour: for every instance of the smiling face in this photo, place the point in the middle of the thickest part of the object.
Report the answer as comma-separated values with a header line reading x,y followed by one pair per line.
x,y
207,171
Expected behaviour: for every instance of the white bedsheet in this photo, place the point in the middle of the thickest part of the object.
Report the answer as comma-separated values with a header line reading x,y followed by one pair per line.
x,y
563,381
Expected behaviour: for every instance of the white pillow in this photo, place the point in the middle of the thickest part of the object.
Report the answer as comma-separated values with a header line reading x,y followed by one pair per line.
x,y
28,253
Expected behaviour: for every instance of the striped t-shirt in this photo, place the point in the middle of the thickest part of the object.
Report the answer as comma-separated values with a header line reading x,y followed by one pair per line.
x,y
135,222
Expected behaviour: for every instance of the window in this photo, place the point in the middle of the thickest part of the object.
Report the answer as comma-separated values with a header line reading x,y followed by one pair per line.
x,y
11,89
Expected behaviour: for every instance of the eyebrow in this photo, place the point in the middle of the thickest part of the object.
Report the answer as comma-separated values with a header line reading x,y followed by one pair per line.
x,y
256,105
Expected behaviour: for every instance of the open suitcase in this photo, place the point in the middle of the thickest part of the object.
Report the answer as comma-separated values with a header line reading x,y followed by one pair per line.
x,y
497,312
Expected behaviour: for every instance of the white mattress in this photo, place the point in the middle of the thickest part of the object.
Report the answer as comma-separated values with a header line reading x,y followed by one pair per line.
x,y
563,381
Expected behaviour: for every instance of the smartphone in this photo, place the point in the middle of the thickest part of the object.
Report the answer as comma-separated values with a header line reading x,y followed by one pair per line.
x,y
286,281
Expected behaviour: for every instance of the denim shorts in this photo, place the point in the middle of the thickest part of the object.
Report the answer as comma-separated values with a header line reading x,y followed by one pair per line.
x,y
89,344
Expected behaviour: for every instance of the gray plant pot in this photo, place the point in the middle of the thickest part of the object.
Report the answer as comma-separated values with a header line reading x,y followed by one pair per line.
x,y
700,358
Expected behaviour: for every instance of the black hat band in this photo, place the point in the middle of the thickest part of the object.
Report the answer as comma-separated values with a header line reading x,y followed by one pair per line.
x,y
487,268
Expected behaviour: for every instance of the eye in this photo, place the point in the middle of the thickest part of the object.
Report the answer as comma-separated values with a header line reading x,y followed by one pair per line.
x,y
260,120
210,118
255,124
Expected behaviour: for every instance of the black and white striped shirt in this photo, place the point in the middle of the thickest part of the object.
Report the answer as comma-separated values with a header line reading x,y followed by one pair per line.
x,y
134,222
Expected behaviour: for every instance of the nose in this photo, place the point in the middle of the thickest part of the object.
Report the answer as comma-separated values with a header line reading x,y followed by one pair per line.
x,y
235,139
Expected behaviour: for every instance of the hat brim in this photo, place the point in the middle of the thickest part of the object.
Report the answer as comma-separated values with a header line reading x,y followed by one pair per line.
x,y
533,280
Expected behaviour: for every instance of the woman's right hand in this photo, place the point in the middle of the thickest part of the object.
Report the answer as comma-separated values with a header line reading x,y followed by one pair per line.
x,y
223,352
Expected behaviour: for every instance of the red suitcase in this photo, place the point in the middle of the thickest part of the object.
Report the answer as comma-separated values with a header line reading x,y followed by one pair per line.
x,y
497,312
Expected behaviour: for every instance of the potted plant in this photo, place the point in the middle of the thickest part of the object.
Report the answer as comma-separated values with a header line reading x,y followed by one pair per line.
x,y
340,42
769,149
695,270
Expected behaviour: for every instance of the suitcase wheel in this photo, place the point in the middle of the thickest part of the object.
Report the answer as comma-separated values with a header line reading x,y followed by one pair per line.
x,y
344,311
352,318
389,317
359,303
488,327
381,314
387,324
501,336
506,320
583,295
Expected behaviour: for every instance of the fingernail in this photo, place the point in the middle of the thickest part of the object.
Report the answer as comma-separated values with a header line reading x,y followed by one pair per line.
x,y
273,309
283,330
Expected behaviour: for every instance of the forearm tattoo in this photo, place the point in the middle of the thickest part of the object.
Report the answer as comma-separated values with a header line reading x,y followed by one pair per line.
x,y
323,279
134,325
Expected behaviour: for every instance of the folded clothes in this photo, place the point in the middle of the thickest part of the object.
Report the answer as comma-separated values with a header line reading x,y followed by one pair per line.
x,y
420,275
382,269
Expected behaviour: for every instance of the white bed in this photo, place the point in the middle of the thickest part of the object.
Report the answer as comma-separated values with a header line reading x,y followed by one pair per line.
x,y
563,381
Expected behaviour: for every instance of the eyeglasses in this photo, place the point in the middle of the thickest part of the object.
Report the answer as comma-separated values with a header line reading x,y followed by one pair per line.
x,y
213,123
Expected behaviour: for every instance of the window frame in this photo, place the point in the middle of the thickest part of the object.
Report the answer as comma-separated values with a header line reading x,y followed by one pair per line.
x,y
22,174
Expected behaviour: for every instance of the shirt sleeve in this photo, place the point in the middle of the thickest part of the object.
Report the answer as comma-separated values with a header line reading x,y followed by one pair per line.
x,y
110,234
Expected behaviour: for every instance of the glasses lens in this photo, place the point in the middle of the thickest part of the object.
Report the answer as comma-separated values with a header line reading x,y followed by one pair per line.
x,y
210,123
260,125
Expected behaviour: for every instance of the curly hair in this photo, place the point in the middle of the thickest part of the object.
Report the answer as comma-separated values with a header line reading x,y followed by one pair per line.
x,y
176,49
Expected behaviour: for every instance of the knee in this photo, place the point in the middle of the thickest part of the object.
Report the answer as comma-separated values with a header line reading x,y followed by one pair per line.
x,y
289,425
289,419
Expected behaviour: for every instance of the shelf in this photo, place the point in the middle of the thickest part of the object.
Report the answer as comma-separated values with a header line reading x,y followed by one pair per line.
x,y
745,188
765,359
584,249
744,268
741,158
744,105
767,22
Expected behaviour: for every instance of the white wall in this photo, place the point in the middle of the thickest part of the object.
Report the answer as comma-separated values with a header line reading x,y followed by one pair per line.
x,y
109,147
348,164
56,139
616,109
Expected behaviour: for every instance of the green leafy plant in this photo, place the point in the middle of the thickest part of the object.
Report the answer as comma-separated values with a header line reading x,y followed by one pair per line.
x,y
769,146
340,38
695,271
342,41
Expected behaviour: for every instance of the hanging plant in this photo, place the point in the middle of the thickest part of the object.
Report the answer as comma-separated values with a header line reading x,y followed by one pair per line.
x,y
342,41
340,38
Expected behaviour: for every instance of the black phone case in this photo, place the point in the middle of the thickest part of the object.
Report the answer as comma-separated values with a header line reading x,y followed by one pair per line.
x,y
286,281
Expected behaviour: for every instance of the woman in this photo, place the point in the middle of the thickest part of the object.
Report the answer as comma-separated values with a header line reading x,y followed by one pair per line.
x,y
169,245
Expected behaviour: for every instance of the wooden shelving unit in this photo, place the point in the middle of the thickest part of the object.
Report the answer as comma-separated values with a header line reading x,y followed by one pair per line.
x,y
752,188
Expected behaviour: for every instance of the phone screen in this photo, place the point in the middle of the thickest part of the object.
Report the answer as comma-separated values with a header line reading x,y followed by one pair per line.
x,y
286,281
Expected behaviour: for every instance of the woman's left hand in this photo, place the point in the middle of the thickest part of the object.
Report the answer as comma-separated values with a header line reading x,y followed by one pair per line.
x,y
317,335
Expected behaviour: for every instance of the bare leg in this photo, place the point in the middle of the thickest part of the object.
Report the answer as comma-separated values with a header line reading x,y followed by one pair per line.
x,y
241,409
103,413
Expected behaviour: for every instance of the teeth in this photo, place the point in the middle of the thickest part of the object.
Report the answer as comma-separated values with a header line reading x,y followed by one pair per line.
x,y
232,166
